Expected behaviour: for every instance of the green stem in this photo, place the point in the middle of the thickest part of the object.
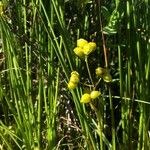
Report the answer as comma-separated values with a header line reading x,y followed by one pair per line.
x,y
97,83
112,121
99,117
88,69
100,129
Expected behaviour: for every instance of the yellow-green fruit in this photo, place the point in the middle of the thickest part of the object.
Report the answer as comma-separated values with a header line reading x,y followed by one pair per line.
x,y
74,78
86,98
93,46
72,85
95,94
81,42
79,51
100,71
107,77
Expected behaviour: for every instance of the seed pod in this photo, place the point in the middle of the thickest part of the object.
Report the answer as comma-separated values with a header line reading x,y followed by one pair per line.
x,y
81,42
95,94
86,98
107,77
100,71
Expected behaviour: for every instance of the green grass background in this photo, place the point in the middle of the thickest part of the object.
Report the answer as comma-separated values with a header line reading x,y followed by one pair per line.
x,y
37,38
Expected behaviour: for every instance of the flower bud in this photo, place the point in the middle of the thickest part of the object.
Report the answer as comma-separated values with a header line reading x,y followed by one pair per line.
x,y
92,45
75,73
79,51
74,78
72,85
86,98
95,94
81,42
107,77
89,48
100,71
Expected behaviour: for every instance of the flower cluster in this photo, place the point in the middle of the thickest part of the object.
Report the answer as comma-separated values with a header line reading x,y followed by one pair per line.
x,y
84,48
103,73
87,98
74,80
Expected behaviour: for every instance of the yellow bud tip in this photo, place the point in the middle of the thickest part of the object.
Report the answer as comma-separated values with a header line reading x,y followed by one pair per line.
x,y
81,42
95,94
75,73
86,98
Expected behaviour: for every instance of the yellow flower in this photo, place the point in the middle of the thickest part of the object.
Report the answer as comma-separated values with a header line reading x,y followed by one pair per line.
x,y
79,51
95,94
107,77
89,48
74,78
100,71
86,98
72,85
92,45
81,42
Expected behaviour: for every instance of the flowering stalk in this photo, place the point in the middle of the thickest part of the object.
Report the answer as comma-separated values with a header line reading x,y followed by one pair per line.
x,y
87,66
106,64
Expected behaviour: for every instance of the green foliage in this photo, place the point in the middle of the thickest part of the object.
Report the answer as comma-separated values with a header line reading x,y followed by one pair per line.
x,y
114,19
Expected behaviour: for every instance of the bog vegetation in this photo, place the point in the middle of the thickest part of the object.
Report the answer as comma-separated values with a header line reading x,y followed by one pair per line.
x,y
74,75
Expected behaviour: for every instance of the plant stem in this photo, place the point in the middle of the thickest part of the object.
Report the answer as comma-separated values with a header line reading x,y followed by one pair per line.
x,y
112,121
103,38
106,64
100,122
88,69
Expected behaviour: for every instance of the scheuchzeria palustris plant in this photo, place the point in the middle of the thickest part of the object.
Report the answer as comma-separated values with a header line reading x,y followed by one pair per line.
x,y
83,50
